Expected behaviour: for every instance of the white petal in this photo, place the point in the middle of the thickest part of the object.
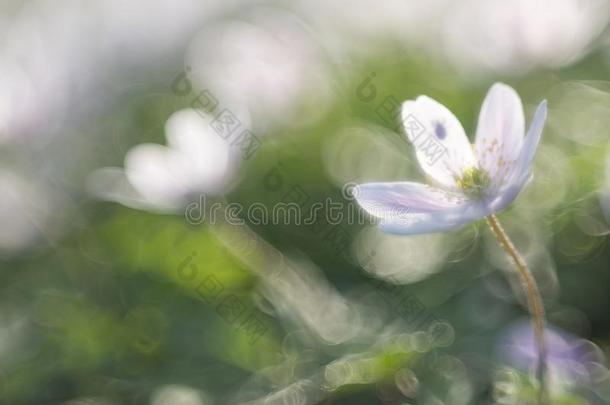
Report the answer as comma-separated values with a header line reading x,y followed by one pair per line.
x,y
521,171
411,208
441,145
381,199
499,132
205,163
417,224
151,170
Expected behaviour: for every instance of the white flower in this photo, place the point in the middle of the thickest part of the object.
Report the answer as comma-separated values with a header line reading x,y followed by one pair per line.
x,y
471,182
164,178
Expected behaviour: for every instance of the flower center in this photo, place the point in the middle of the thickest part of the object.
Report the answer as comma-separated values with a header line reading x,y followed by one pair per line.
x,y
474,182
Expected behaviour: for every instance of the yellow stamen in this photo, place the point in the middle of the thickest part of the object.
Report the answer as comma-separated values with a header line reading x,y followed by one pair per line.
x,y
474,182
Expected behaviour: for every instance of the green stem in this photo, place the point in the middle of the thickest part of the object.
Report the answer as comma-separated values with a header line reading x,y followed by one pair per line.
x,y
534,300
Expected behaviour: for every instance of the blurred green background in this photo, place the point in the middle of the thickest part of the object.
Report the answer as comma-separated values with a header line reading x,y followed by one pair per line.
x,y
118,303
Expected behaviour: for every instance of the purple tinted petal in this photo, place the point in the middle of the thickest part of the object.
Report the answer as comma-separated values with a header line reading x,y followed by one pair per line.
x,y
566,354
409,196
521,173
413,208
415,224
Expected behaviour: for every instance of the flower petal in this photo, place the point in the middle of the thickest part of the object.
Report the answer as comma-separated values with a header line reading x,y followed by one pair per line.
x,y
412,208
405,197
441,145
499,132
520,173
530,145
206,162
151,170
417,224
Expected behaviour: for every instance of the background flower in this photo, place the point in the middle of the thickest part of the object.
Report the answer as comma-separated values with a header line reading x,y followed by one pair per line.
x,y
571,361
196,161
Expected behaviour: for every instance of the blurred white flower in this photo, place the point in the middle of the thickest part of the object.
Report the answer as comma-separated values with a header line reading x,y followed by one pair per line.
x,y
516,36
265,65
164,178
